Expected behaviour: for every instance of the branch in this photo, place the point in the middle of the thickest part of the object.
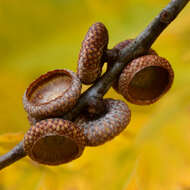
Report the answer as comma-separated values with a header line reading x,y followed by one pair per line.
x,y
136,48
12,156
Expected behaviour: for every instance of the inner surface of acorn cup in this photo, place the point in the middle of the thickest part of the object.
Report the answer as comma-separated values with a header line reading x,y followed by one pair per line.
x,y
49,89
54,141
146,79
51,148
149,83
52,94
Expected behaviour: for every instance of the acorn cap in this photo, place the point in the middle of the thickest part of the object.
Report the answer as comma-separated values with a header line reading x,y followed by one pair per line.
x,y
145,79
99,130
119,47
32,120
52,94
54,141
91,54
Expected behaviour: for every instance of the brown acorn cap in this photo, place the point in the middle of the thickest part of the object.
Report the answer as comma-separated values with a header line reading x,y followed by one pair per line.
x,y
52,94
107,126
91,54
54,141
145,79
119,47
32,120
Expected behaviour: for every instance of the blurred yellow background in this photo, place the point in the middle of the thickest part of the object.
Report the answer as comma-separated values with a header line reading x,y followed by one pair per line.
x,y
41,35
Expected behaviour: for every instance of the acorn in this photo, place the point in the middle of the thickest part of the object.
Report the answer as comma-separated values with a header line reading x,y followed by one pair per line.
x,y
54,141
119,47
145,79
101,129
52,94
32,120
92,52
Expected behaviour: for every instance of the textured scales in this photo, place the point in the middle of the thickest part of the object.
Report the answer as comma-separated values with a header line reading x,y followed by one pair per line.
x,y
45,103
91,54
31,120
145,79
106,127
54,141
122,45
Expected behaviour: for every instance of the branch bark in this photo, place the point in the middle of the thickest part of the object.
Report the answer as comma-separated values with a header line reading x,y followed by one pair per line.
x,y
136,48
12,156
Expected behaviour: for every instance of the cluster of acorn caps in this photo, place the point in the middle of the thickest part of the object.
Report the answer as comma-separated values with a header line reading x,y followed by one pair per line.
x,y
52,140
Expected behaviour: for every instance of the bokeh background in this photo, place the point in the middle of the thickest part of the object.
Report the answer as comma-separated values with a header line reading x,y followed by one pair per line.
x,y
41,35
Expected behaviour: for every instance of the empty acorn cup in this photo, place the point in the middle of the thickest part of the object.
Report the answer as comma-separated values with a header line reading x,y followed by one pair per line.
x,y
105,127
145,79
54,141
52,94
119,47
91,54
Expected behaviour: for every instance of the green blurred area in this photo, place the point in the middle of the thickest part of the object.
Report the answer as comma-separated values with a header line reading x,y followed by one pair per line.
x,y
41,35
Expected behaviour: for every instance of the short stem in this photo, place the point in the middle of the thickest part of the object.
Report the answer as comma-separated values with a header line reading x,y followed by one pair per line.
x,y
112,55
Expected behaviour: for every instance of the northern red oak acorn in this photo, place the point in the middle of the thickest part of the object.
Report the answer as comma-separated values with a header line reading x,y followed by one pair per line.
x,y
32,120
91,56
54,141
103,128
52,94
119,47
145,79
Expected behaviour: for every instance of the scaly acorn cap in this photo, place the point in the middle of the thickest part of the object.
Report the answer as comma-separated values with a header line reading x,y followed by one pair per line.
x,y
52,94
119,47
104,128
145,79
32,120
91,54
54,141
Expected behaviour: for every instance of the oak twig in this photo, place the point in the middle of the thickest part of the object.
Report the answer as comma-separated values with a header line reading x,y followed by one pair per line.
x,y
12,156
137,47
